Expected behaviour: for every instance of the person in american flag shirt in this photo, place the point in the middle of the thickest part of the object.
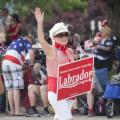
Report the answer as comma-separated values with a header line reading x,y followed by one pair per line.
x,y
12,67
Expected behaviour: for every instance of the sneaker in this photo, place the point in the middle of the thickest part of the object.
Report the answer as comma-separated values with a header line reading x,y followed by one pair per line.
x,y
45,113
91,114
75,112
31,113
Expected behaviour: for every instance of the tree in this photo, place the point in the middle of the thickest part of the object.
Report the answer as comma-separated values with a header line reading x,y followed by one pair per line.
x,y
69,11
101,9
113,14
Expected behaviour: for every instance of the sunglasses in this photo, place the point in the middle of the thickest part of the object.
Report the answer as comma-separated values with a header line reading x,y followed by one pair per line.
x,y
61,35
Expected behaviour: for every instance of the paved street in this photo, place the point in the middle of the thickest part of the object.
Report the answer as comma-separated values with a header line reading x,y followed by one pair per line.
x,y
81,117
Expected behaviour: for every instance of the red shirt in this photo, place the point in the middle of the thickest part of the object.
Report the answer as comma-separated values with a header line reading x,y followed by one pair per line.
x,y
12,29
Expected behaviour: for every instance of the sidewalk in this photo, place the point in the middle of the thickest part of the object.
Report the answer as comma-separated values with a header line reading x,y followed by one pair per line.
x,y
81,117
40,108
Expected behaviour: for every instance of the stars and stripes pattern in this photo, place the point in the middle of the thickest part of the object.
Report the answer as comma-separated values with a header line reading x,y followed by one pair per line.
x,y
18,49
21,45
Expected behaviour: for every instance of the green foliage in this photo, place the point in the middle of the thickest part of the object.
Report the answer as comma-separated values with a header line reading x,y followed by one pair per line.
x,y
2,2
69,5
26,6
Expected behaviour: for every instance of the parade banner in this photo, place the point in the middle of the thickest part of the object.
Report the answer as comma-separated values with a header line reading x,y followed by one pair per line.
x,y
74,78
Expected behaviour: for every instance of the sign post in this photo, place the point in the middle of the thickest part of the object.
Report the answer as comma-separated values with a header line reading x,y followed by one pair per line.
x,y
74,78
92,26
99,25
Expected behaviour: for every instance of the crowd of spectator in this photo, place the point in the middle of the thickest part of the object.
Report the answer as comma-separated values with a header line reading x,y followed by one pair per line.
x,y
27,66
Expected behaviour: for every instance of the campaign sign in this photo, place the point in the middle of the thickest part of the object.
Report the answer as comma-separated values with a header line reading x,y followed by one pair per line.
x,y
74,78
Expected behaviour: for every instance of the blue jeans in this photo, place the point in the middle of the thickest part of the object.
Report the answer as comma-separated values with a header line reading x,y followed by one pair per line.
x,y
2,103
117,54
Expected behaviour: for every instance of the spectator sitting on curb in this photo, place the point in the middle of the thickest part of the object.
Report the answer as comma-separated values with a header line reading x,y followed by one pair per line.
x,y
38,89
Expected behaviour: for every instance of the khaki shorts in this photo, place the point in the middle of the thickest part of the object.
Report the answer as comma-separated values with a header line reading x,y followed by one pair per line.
x,y
37,89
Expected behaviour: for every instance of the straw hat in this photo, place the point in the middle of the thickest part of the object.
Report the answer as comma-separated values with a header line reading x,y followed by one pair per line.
x,y
106,30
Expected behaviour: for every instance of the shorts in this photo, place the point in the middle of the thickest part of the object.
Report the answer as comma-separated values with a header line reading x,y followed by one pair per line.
x,y
13,75
38,89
